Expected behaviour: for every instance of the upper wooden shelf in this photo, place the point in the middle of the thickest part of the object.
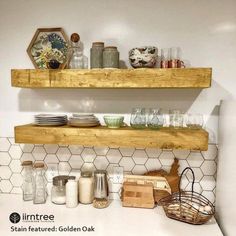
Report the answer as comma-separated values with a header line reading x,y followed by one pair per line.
x,y
113,78
165,138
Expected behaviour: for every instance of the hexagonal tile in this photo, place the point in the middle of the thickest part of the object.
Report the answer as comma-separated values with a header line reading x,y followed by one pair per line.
x,y
39,153
64,168
5,186
15,166
182,165
5,172
181,154
27,157
166,158
76,149
127,152
114,156
4,145
209,195
16,190
153,152
101,163
52,171
197,173
195,159
27,147
63,154
76,161
211,153
15,152
184,182
101,151
139,170
51,148
153,164
140,157
51,158
208,183
4,158
197,187
16,180
208,167
88,155
127,163
12,141
88,166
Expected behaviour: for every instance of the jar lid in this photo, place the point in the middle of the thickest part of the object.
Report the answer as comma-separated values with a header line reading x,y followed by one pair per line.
x,y
86,174
61,180
75,37
111,47
27,163
100,44
39,165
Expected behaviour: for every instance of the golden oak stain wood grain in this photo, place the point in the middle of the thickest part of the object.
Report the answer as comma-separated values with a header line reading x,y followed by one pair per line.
x,y
113,78
124,137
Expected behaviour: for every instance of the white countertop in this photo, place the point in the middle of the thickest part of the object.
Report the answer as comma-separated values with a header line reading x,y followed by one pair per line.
x,y
113,221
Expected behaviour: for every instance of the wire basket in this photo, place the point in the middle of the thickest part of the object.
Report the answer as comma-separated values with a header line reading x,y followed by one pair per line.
x,y
188,206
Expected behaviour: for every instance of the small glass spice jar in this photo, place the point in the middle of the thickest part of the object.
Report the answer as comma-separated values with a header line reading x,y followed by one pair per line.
x,y
86,188
96,55
110,57
58,191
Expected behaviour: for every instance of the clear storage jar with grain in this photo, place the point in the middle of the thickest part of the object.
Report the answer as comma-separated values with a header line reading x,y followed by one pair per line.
x,y
86,186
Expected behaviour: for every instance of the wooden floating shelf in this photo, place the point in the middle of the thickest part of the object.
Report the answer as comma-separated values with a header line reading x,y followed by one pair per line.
x,y
165,138
113,78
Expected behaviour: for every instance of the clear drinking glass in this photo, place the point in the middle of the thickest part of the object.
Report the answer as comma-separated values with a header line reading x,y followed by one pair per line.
x,y
194,121
175,61
39,185
155,118
165,57
138,118
176,119
28,180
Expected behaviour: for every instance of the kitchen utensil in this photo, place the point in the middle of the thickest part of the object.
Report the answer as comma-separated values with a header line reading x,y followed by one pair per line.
x,y
188,206
114,121
143,57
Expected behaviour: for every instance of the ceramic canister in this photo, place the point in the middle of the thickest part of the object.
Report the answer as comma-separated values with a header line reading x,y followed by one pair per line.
x,y
110,57
96,55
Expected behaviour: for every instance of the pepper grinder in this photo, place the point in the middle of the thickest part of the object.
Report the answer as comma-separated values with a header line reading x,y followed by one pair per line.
x,y
101,190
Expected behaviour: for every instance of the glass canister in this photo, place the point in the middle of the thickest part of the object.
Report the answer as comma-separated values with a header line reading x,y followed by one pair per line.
x,y
58,191
138,118
176,119
28,180
86,186
40,193
75,53
110,57
96,55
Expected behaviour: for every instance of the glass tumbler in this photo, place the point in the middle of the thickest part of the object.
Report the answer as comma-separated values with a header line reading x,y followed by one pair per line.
x,y
176,119
175,61
194,121
165,57
155,118
138,118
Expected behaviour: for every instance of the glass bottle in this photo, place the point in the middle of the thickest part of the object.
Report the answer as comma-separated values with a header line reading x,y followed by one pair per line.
x,y
176,119
75,53
28,180
155,118
39,184
138,118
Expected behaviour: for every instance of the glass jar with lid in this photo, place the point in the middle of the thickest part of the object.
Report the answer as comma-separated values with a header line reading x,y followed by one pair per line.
x,y
28,180
58,191
110,57
86,186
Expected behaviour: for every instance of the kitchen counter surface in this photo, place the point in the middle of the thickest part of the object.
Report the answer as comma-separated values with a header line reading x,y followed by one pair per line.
x,y
112,221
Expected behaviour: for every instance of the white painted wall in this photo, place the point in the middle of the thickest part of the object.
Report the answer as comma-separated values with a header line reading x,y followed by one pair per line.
x,y
205,30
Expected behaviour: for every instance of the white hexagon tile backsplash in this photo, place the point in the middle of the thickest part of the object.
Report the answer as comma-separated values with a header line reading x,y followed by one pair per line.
x,y
70,160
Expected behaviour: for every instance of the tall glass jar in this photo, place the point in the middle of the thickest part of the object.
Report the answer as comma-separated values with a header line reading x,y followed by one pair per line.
x,y
28,180
75,53
96,57
40,193
86,186
176,119
138,118
155,118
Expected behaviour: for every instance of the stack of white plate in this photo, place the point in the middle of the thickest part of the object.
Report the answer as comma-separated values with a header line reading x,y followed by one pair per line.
x,y
83,120
50,120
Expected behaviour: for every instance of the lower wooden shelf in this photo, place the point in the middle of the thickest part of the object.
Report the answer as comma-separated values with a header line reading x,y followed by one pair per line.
x,y
165,138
